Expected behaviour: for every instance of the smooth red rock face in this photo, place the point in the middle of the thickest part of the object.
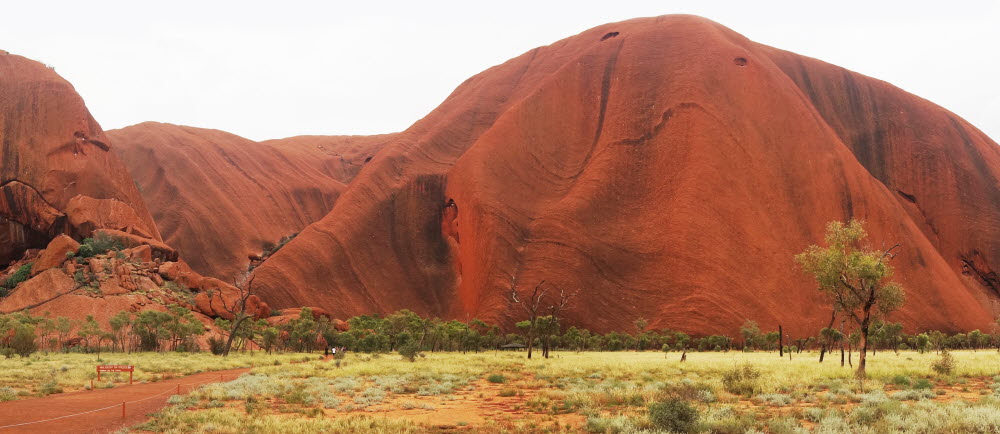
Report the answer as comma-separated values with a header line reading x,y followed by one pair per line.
x,y
667,168
218,198
52,151
341,157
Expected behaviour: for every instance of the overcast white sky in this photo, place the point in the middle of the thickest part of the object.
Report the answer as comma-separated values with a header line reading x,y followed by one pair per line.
x,y
282,68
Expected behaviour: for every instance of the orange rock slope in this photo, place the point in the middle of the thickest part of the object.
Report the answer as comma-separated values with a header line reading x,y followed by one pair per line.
x,y
58,173
219,198
667,168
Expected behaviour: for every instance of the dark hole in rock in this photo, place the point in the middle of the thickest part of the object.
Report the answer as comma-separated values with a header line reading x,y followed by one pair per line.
x,y
740,61
609,36
907,196
368,159
100,144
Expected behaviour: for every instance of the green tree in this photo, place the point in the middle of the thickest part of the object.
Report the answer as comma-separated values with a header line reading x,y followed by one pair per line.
x,y
92,329
922,342
181,327
120,324
269,338
751,334
854,277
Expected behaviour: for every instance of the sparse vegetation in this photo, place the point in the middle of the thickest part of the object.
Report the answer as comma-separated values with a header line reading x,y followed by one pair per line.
x,y
602,392
20,275
100,244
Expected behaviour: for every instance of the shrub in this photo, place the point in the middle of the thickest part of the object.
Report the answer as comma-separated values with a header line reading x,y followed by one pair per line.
x,y
218,346
7,394
922,383
497,379
95,246
673,415
743,380
49,388
913,395
945,365
774,399
409,351
901,381
23,273
23,341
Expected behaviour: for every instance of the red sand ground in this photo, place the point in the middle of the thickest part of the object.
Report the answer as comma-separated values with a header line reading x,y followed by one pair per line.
x,y
110,420
664,167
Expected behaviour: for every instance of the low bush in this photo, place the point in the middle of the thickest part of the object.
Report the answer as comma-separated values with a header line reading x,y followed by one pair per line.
x,y
496,379
91,247
7,394
409,351
742,380
901,381
218,346
944,365
673,415
23,273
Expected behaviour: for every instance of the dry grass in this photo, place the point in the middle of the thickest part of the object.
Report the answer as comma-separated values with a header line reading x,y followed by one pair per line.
x,y
46,372
596,392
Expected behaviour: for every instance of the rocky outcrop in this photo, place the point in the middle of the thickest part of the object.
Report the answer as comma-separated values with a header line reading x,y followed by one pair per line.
x,y
669,172
57,175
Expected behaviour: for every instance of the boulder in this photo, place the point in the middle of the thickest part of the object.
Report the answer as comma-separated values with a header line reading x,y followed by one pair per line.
x,y
55,254
46,286
341,325
143,253
114,286
86,215
217,299
158,249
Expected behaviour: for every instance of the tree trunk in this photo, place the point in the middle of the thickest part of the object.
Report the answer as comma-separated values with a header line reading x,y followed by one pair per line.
x,y
781,342
531,341
232,335
864,347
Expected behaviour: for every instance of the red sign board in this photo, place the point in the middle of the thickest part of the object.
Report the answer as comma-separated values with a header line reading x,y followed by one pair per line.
x,y
115,368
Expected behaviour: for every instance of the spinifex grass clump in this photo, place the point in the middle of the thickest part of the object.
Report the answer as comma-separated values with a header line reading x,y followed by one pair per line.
x,y
742,380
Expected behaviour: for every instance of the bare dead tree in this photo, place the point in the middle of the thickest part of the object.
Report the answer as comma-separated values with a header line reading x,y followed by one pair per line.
x,y
561,304
531,307
237,308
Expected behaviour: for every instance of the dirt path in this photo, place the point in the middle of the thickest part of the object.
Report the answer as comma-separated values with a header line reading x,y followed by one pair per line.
x,y
148,398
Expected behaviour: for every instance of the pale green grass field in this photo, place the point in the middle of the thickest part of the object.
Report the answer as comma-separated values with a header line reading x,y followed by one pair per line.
x,y
571,392
45,373
610,392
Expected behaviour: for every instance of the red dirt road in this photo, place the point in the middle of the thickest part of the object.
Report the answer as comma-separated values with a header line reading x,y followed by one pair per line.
x,y
140,399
